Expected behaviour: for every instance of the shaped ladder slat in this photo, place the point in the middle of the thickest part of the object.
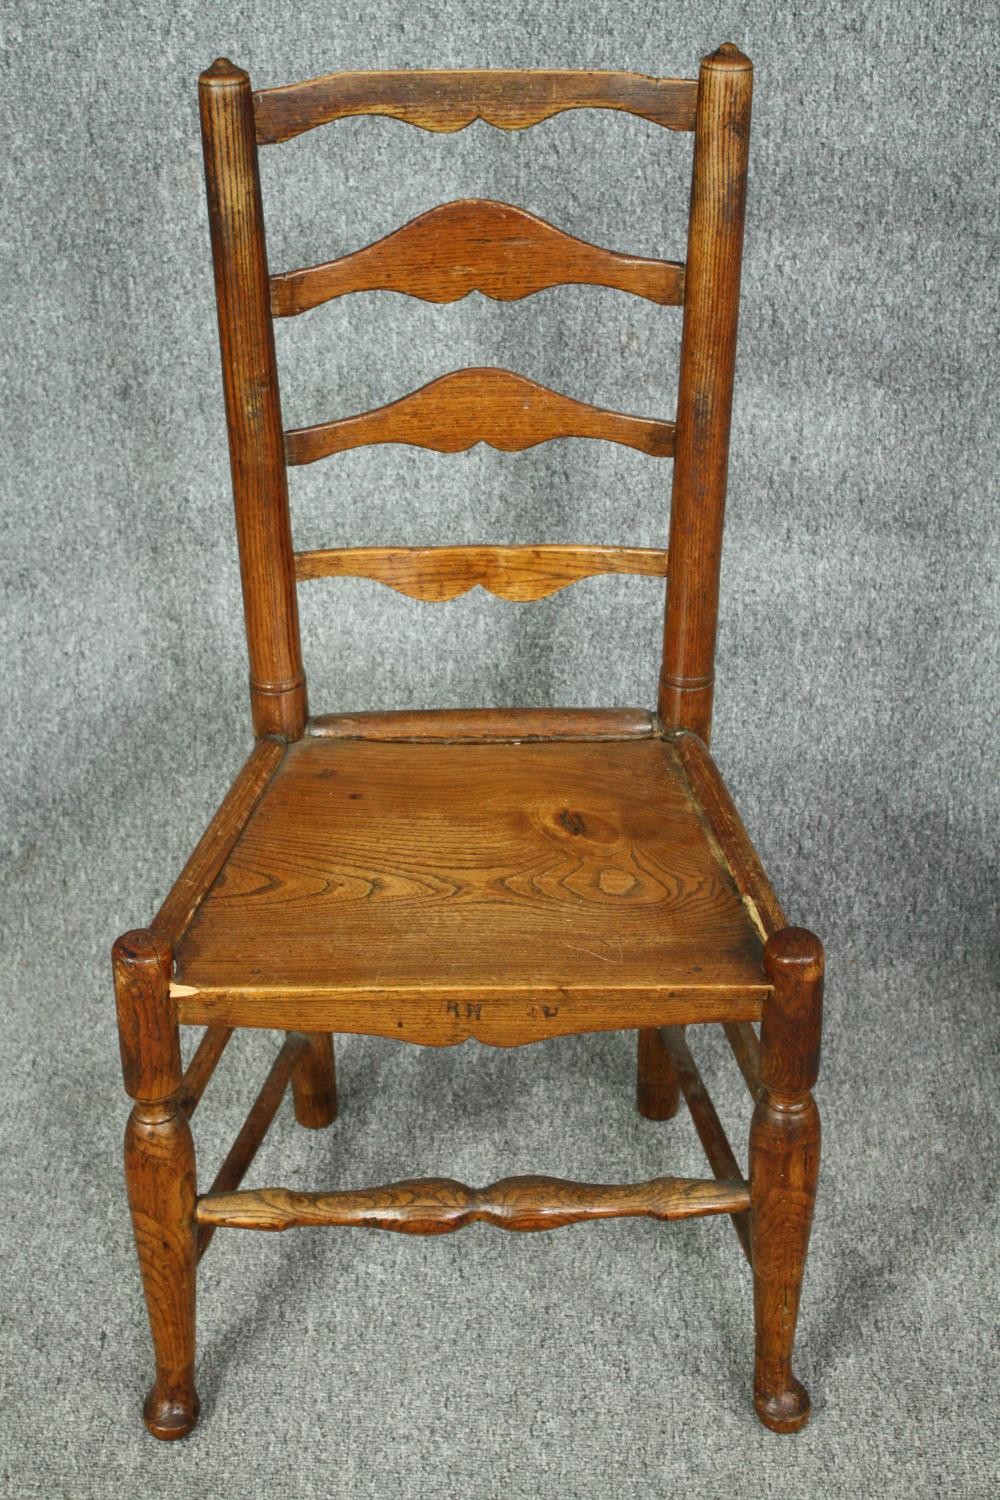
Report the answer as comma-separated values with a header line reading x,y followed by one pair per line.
x,y
449,100
435,574
475,245
480,405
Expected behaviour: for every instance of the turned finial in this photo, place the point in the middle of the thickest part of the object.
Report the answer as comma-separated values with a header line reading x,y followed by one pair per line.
x,y
728,57
223,74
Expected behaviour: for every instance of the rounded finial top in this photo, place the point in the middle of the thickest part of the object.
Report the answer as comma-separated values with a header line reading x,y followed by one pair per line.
x,y
794,949
729,57
140,947
223,72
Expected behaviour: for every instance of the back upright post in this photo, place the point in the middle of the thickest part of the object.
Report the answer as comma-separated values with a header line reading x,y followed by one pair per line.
x,y
253,409
704,403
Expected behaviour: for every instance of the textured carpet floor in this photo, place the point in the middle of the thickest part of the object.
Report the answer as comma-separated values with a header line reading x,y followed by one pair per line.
x,y
856,723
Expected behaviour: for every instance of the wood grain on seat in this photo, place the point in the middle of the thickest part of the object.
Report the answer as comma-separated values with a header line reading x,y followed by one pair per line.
x,y
506,891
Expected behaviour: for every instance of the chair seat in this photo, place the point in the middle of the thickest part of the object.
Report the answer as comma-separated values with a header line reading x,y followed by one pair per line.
x,y
509,891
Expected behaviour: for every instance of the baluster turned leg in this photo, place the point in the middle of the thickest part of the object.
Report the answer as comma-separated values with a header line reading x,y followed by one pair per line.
x,y
314,1083
160,1175
784,1165
657,1092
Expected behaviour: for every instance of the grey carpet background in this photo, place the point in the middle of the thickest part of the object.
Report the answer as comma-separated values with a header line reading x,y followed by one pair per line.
x,y
856,724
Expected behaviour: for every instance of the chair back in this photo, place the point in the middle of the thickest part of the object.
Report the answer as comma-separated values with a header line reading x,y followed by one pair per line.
x,y
506,253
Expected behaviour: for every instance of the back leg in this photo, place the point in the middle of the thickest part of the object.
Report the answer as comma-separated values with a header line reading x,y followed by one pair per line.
x,y
657,1092
314,1083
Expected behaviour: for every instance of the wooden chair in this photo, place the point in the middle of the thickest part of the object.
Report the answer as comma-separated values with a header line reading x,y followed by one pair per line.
x,y
356,878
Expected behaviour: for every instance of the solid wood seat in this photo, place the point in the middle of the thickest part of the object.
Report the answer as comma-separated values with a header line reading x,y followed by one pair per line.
x,y
438,890
506,875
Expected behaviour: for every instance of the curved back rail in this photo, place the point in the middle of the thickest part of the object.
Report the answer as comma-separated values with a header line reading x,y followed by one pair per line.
x,y
445,101
475,245
515,573
496,407
505,253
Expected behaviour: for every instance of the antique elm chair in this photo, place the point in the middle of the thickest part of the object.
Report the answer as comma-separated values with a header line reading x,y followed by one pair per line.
x,y
355,878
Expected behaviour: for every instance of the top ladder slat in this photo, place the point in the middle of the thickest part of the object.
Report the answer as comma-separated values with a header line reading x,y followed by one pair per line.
x,y
508,99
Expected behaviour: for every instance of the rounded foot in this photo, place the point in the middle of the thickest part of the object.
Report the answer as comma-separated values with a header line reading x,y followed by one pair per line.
x,y
170,1414
315,1113
657,1106
786,1411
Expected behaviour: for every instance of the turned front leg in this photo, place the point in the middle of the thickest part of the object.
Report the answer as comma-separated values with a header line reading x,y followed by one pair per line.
x,y
784,1165
159,1174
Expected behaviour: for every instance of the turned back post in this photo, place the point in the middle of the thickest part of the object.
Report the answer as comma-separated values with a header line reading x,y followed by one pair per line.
x,y
253,405
705,395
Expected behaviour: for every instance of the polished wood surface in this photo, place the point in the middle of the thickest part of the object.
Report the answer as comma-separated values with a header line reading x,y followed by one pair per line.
x,y
515,573
496,407
314,1083
507,875
444,101
440,1205
657,1095
148,1039
499,1015
161,1185
435,892
475,245
160,1174
253,405
457,726
784,1167
212,849
705,392
712,795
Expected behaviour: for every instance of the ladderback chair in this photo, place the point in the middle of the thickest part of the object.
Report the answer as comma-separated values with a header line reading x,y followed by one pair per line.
x,y
506,875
